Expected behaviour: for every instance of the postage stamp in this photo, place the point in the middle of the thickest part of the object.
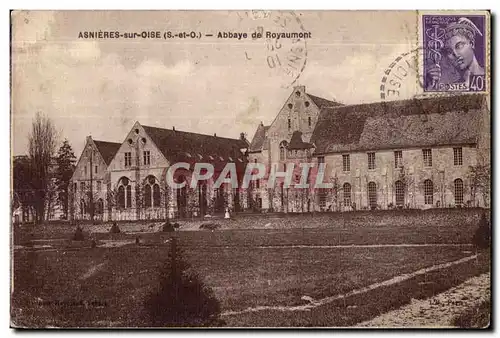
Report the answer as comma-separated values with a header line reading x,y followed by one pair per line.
x,y
455,53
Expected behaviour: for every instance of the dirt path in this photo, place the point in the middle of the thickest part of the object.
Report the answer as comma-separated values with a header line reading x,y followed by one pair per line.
x,y
438,311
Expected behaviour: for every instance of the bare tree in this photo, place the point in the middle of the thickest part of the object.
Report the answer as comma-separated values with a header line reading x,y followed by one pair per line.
x,y
42,146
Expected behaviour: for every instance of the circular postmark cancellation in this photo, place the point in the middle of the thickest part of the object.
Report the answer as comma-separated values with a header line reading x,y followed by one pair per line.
x,y
402,75
285,43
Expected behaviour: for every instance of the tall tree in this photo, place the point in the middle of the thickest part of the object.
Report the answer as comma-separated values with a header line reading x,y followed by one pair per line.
x,y
42,146
22,186
65,167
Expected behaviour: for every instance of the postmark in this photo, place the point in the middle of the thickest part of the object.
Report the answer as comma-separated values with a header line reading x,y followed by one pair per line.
x,y
285,40
401,75
455,53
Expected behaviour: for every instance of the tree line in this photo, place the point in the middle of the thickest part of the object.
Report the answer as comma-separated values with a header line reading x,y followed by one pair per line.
x,y
41,179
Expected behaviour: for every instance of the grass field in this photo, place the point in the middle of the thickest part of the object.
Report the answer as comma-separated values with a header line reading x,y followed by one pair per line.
x,y
56,286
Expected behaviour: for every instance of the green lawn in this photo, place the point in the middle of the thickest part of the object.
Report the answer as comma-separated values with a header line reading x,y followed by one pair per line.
x,y
242,273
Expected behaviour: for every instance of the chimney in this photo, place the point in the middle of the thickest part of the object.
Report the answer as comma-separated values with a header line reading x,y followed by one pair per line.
x,y
242,136
261,123
89,138
173,128
215,135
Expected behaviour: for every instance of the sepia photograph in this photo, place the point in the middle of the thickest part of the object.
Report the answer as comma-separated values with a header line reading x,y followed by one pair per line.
x,y
250,169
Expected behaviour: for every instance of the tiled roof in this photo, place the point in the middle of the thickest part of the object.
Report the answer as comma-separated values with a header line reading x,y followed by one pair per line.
x,y
259,138
383,125
321,102
296,142
107,150
181,146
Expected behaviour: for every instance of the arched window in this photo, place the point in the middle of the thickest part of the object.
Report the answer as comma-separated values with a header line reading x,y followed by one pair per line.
x,y
100,206
372,195
147,196
459,191
124,193
151,192
283,146
129,196
428,192
121,196
347,194
156,195
83,207
400,193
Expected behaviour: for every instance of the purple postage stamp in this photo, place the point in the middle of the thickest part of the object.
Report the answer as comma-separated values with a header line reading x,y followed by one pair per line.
x,y
454,53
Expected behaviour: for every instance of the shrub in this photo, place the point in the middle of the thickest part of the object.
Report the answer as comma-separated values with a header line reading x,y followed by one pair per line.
x,y
167,227
181,298
114,229
481,238
78,236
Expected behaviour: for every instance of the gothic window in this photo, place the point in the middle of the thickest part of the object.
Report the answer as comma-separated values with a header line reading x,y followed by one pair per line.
x,y
156,195
283,146
147,196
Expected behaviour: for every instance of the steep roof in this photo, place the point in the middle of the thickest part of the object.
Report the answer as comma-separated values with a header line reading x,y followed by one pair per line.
x,y
259,138
107,150
321,102
296,141
383,125
183,146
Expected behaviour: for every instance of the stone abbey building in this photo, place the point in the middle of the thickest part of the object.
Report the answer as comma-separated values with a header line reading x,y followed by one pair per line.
x,y
419,153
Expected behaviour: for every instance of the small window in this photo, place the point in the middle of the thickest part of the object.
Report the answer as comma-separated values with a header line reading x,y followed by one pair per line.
x,y
146,157
297,93
321,159
309,121
82,186
95,170
98,186
143,140
129,141
427,153
85,170
289,124
346,162
457,156
290,106
398,159
371,160
128,159
306,103
137,131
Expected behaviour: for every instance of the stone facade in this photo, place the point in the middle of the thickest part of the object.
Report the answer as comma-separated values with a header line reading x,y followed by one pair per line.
x,y
455,131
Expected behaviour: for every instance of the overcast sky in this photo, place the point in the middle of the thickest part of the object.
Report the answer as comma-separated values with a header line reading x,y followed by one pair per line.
x,y
101,87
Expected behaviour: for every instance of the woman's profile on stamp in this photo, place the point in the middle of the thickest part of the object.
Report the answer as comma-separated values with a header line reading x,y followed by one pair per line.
x,y
456,60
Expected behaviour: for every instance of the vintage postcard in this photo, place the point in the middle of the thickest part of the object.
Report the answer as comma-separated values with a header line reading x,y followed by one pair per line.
x,y
250,169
